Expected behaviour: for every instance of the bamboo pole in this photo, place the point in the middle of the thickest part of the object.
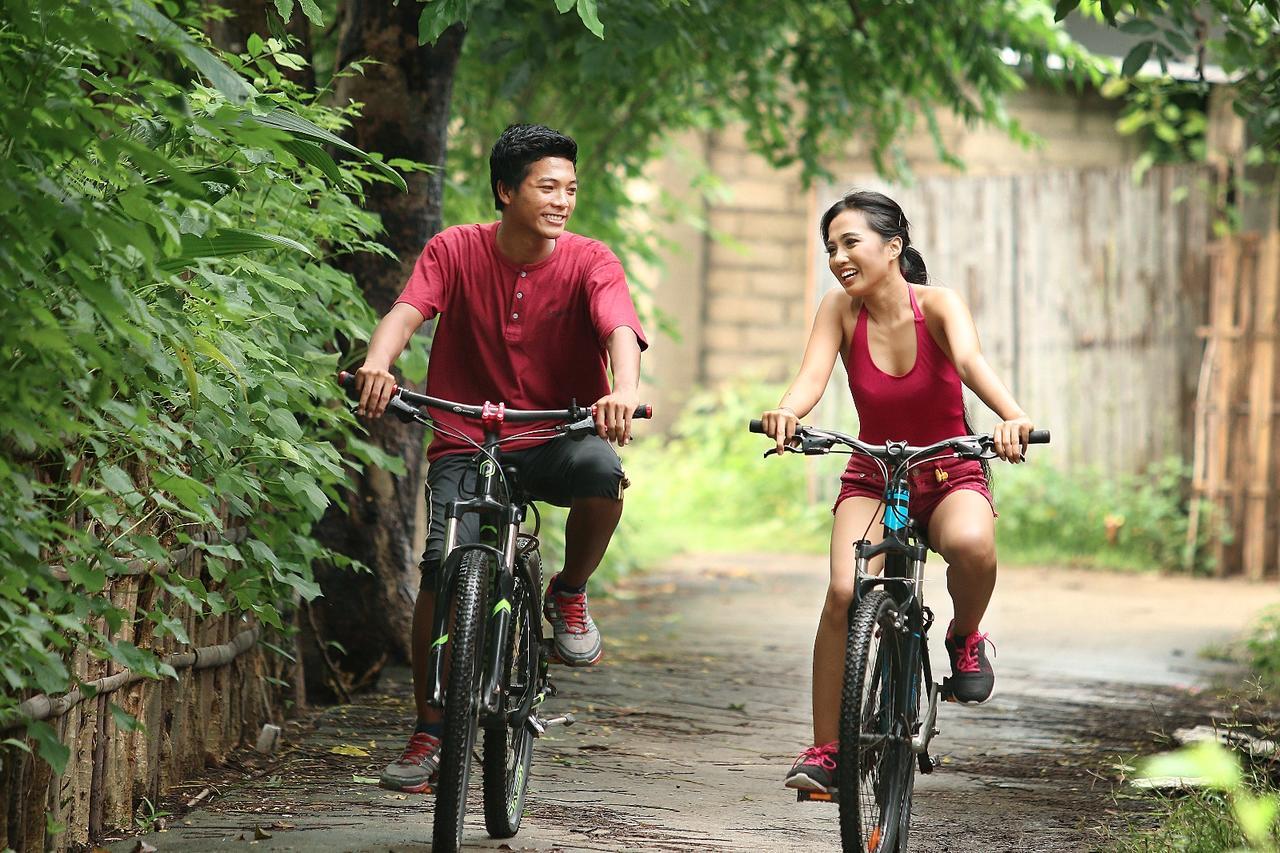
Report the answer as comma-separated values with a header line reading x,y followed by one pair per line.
x,y
1218,416
1260,491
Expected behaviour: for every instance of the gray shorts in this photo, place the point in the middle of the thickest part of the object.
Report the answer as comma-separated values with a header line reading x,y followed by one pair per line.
x,y
555,472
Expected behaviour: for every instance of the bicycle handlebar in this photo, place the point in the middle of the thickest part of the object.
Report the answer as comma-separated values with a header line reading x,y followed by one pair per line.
x,y
411,401
814,441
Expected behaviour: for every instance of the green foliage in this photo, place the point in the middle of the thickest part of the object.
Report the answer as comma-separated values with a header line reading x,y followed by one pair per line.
x,y
167,313
1224,808
805,78
1135,521
1242,38
1262,651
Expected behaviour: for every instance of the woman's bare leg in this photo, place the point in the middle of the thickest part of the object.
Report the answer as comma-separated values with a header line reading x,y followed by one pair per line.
x,y
963,531
853,518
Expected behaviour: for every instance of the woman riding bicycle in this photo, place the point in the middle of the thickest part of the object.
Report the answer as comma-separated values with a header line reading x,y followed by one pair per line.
x,y
906,348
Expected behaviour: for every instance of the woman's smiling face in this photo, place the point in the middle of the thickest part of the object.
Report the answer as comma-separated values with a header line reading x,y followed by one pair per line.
x,y
858,256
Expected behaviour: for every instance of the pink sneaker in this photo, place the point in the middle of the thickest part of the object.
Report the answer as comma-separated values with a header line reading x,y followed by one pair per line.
x,y
815,769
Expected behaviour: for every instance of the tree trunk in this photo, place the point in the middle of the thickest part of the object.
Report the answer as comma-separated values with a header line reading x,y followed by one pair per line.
x,y
406,98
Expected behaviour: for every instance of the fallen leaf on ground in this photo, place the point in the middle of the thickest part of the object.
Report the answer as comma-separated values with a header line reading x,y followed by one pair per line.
x,y
348,749
364,780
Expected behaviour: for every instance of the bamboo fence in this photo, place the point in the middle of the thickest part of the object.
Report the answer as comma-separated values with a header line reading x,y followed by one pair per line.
x,y
1236,460
219,700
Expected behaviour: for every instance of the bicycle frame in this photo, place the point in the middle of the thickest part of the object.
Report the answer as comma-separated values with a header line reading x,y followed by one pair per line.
x,y
500,522
903,577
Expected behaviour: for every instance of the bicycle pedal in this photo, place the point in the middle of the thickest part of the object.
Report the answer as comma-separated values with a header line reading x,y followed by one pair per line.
x,y
803,796
541,724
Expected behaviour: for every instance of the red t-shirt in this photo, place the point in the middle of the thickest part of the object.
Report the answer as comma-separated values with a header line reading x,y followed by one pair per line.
x,y
531,336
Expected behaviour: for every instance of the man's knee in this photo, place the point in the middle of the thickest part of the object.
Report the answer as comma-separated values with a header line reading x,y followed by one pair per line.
x,y
597,473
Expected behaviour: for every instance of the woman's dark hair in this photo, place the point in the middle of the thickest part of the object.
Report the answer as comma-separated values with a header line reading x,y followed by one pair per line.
x,y
886,219
518,148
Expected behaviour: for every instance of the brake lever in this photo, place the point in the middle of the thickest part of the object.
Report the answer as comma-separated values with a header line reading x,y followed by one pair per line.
x,y
808,446
581,429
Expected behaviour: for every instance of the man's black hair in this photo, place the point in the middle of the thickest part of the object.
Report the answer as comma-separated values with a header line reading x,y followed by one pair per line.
x,y
518,148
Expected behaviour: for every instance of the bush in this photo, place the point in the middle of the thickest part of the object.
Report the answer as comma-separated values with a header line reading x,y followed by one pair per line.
x,y
167,314
1135,521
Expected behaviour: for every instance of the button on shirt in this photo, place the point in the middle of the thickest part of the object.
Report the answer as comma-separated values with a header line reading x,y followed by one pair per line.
x,y
531,336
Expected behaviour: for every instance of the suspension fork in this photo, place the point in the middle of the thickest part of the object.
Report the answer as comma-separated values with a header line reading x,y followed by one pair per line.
x,y
501,616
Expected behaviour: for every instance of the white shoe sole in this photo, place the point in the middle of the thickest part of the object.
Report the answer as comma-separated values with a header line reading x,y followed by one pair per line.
x,y
802,782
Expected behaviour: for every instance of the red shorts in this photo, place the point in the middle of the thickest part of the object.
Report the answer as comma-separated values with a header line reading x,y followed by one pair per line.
x,y
930,482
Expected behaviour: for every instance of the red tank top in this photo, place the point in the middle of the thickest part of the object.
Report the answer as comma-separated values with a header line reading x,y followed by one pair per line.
x,y
922,406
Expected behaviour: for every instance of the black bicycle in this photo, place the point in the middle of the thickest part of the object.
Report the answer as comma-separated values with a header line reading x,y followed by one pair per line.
x,y
487,667
883,737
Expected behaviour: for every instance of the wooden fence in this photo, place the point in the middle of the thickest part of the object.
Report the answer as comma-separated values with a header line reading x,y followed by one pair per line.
x,y
220,698
1086,288
1236,463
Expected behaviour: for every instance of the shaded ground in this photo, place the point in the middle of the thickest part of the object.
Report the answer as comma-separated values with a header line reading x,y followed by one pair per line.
x,y
702,703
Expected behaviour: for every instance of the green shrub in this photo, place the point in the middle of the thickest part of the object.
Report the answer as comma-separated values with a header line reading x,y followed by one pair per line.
x,y
167,318
1131,521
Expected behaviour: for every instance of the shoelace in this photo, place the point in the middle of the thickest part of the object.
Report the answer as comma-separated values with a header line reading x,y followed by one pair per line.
x,y
968,661
421,745
823,756
573,610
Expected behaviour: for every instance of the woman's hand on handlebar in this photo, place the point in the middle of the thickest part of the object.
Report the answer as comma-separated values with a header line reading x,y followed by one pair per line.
x,y
376,385
613,416
780,424
1011,438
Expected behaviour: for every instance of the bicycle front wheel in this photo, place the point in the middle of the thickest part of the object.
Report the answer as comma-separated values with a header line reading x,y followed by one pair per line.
x,y
508,743
461,701
874,765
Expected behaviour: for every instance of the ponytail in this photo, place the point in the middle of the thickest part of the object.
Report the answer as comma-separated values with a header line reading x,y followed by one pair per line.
x,y
912,264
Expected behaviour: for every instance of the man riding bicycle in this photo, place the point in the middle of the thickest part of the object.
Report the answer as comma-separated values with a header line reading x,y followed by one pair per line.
x,y
530,315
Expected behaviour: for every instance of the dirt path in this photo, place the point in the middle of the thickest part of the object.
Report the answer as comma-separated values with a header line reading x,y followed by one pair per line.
x,y
702,703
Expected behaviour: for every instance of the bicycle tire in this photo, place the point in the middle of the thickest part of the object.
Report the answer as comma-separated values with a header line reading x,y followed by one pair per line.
x,y
872,753
909,762
461,702
508,747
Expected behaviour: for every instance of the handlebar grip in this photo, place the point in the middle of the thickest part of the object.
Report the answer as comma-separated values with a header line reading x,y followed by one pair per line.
x,y
1038,436
756,426
644,410
348,381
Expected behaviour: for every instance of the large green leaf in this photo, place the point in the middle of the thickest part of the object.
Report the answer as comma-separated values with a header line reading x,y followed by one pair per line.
x,y
438,15
227,243
303,129
155,26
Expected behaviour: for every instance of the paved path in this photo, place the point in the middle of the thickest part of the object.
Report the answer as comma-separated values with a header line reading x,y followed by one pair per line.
x,y
702,703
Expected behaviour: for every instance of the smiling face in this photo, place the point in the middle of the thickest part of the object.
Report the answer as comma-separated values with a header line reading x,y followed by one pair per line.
x,y
544,201
859,257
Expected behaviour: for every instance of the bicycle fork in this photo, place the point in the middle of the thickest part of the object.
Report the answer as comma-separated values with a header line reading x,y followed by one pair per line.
x,y
925,727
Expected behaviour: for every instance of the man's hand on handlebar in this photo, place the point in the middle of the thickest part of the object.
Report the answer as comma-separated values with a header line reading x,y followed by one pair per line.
x,y
376,386
613,413
780,424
